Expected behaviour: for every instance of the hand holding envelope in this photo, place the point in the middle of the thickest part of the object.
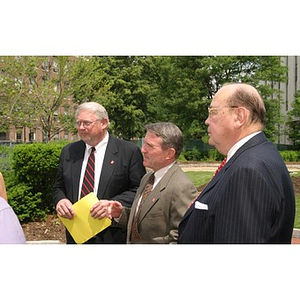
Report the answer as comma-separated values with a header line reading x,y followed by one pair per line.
x,y
83,226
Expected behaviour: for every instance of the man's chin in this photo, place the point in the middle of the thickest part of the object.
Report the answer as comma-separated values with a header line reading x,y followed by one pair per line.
x,y
85,138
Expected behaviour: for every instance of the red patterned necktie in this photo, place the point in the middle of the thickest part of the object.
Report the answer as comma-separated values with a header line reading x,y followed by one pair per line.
x,y
148,188
89,175
220,166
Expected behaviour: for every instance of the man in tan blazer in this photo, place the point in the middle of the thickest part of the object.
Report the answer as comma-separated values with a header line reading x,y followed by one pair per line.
x,y
156,219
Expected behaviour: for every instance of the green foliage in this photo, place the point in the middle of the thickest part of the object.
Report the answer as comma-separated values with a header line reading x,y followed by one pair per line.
x,y
33,91
121,85
294,121
137,89
290,156
27,205
134,89
29,183
5,158
209,155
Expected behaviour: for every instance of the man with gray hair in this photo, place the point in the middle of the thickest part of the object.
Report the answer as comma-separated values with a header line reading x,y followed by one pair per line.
x,y
164,193
117,167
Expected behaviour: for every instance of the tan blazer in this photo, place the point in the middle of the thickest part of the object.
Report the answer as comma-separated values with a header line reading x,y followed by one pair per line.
x,y
164,208
2,188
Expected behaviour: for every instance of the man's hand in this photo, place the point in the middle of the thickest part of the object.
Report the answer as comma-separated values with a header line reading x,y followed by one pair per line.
x,y
106,208
65,209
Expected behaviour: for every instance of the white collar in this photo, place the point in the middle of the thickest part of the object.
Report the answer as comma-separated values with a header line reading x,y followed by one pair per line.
x,y
239,144
161,172
103,142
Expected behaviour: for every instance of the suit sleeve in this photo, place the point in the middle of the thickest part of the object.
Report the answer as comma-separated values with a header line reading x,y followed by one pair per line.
x,y
59,190
247,209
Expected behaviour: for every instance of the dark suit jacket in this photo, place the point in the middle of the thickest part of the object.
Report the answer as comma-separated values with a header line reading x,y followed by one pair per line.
x,y
121,174
164,208
251,200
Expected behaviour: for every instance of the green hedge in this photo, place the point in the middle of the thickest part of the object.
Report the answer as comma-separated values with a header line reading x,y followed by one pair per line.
x,y
209,155
212,155
30,181
290,156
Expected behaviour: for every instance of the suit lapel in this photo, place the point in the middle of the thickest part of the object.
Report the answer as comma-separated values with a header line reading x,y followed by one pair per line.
x,y
154,196
109,163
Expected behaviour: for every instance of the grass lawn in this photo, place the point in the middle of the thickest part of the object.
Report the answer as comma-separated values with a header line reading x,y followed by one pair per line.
x,y
200,178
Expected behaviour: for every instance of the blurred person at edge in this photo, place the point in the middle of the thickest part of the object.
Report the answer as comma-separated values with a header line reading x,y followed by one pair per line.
x,y
171,194
11,231
118,169
251,199
2,188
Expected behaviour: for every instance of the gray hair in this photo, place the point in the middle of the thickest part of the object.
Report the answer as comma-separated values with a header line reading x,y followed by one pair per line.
x,y
96,108
171,135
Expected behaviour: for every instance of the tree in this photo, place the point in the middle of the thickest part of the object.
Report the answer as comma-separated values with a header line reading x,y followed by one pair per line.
x,y
119,84
188,84
294,121
34,89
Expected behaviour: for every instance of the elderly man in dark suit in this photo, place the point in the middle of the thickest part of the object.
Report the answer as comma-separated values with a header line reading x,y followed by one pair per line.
x,y
251,199
117,172
158,206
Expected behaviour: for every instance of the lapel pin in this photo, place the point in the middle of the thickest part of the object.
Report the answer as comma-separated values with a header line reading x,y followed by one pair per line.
x,y
153,200
112,162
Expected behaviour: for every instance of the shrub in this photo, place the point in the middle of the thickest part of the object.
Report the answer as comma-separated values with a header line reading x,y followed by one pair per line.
x,y
210,155
30,183
27,205
290,156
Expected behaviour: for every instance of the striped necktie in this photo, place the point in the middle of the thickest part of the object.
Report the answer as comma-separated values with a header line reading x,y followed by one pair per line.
x,y
89,175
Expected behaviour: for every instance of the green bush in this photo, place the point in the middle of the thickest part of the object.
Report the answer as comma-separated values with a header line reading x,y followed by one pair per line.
x,y
5,158
27,205
290,156
210,155
34,168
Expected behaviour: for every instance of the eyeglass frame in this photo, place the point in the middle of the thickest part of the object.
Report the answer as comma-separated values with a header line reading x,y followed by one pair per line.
x,y
210,109
85,124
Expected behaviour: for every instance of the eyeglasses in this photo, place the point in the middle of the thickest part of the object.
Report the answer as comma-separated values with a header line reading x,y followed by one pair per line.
x,y
213,110
85,124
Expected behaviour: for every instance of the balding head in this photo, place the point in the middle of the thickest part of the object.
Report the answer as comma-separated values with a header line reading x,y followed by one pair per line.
x,y
241,94
236,111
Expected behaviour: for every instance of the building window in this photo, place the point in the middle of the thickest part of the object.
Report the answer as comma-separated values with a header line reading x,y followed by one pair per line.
x,y
31,135
3,136
19,136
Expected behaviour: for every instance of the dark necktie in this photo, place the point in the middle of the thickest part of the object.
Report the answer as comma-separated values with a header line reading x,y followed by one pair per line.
x,y
220,166
89,175
148,188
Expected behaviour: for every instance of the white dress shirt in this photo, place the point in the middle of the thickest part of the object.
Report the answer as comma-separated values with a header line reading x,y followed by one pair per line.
x,y
99,157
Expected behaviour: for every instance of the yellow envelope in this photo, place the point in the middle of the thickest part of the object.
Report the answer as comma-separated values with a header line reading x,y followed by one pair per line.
x,y
83,226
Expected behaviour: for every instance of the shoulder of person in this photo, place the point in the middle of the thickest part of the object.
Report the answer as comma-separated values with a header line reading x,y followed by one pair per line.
x,y
75,145
123,143
3,204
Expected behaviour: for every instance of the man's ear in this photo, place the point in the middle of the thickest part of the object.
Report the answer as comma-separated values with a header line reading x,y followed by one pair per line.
x,y
171,153
241,116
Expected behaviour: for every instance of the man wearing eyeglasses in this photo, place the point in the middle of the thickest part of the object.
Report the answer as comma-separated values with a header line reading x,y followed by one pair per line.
x,y
251,199
118,169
